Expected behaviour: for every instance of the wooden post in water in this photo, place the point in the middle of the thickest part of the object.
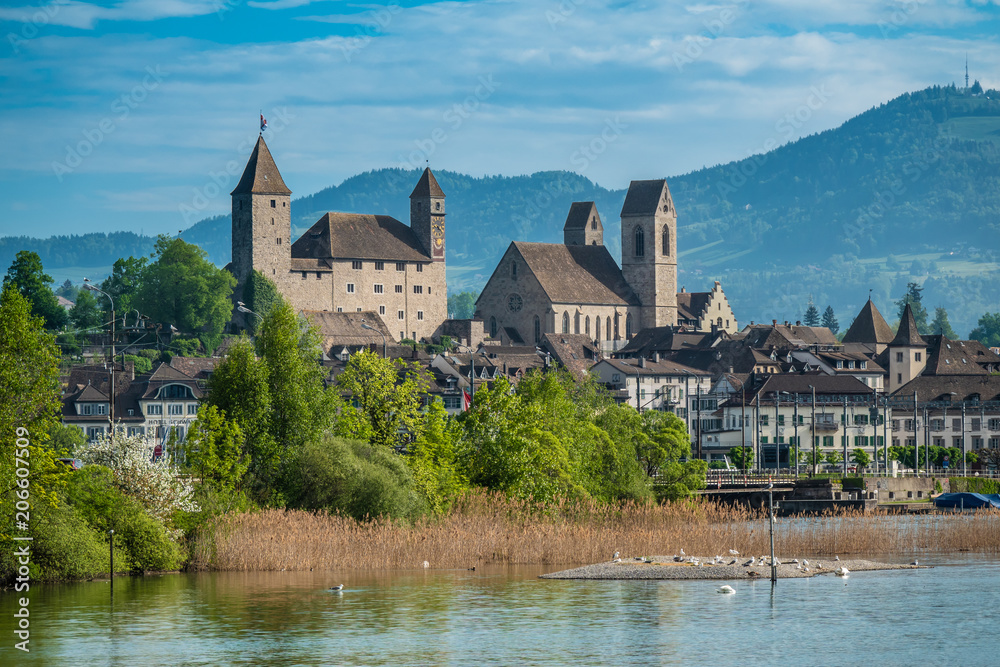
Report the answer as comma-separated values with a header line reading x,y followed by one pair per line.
x,y
111,545
770,503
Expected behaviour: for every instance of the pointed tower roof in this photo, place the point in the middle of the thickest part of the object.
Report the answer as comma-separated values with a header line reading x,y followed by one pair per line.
x,y
427,186
908,335
261,176
580,215
645,197
869,327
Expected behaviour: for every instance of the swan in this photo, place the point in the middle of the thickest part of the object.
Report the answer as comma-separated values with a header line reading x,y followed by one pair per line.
x,y
841,571
726,590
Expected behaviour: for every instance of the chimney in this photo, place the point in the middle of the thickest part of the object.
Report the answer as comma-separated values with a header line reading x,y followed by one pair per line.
x,y
730,370
682,289
774,323
642,362
656,357
798,323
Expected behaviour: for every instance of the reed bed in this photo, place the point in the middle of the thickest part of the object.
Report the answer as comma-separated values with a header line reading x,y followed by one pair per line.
x,y
486,529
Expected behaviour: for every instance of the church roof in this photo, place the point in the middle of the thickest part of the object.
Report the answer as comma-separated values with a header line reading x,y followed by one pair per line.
x,y
580,214
869,327
907,335
427,186
261,175
690,305
577,274
359,236
644,197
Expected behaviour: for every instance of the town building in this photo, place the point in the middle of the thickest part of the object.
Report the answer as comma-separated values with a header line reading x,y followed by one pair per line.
x,y
345,262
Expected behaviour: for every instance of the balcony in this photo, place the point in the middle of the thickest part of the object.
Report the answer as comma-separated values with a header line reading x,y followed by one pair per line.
x,y
827,425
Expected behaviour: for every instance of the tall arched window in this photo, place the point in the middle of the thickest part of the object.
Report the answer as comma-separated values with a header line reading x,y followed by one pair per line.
x,y
565,323
493,327
586,325
513,270
666,240
597,328
607,328
618,326
576,323
628,326
640,242
538,330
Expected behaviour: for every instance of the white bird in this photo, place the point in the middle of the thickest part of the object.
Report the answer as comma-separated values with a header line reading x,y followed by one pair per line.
x,y
732,562
338,587
795,560
682,553
617,560
640,558
615,556
426,564
836,558
734,552
805,569
726,590
805,562
914,563
750,563
841,572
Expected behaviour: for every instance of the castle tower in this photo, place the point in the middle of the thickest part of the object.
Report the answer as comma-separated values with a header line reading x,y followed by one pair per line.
x,y
649,251
583,225
427,214
907,352
262,224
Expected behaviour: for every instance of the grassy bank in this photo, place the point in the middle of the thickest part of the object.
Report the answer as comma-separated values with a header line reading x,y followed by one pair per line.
x,y
488,529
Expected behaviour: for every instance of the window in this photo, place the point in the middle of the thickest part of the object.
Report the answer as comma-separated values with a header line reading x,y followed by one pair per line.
x,y
607,328
381,310
666,242
305,274
420,268
418,289
899,357
493,327
452,402
916,356
956,424
175,391
640,242
319,276
420,315
586,325
428,289
513,270
380,266
437,206
274,204
399,289
192,408
628,326
399,314
593,222
899,378
175,409
616,377
350,288
401,266
576,323
277,241
763,420
565,323
154,409
538,330
597,328
356,265
359,309
340,310
378,289
272,221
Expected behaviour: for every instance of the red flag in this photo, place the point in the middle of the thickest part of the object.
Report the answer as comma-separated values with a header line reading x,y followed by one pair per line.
x,y
263,123
466,400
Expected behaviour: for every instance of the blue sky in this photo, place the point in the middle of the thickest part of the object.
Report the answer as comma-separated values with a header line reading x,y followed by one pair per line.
x,y
124,115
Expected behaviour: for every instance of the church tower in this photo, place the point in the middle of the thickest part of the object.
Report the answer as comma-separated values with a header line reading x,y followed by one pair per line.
x,y
649,251
262,224
907,352
583,225
427,214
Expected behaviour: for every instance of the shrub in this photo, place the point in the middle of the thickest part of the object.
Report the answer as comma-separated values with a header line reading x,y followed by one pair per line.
x,y
142,364
146,543
974,485
853,482
67,547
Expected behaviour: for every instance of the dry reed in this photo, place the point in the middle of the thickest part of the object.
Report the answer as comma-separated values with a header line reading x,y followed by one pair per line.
x,y
490,529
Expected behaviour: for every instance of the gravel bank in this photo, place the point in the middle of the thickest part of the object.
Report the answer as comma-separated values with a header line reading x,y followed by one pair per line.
x,y
664,567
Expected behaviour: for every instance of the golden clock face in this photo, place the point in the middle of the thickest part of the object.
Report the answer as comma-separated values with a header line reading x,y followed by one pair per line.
x,y
438,229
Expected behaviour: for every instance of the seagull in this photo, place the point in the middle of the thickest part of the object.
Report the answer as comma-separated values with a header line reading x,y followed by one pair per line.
x,y
726,590
732,562
750,562
805,562
337,588
841,571
836,558
734,552
617,560
914,563
805,569
426,564
640,558
615,556
795,560
682,553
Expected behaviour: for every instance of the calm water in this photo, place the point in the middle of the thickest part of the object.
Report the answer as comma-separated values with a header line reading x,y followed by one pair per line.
x,y
948,615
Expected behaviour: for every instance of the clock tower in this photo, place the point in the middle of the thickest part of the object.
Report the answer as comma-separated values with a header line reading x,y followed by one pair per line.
x,y
427,214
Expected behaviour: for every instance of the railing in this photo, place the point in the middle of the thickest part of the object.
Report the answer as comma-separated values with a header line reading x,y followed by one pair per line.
x,y
717,478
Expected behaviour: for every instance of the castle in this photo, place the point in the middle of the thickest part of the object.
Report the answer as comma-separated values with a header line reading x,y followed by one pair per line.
x,y
346,262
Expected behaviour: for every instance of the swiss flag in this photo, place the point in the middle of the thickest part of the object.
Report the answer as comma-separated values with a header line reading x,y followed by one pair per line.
x,y
263,123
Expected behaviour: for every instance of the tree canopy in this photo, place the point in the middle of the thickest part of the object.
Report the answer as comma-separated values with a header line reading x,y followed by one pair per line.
x,y
27,276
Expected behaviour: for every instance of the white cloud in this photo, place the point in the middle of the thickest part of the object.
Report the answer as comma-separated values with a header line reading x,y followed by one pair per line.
x,y
85,15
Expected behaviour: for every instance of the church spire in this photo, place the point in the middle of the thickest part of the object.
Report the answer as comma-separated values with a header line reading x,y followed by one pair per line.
x,y
261,175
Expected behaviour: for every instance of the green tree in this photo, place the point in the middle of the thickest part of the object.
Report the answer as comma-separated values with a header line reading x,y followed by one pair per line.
x,y
67,290
86,314
215,449
861,458
833,457
182,288
433,459
665,439
736,456
261,296
940,324
830,320
124,283
811,318
462,306
913,297
988,331
27,276
386,398
65,439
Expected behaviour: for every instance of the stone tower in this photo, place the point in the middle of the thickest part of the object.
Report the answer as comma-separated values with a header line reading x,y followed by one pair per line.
x,y
649,251
427,214
583,225
262,225
907,352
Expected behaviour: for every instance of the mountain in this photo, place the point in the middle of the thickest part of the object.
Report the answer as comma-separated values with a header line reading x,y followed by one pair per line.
x,y
907,191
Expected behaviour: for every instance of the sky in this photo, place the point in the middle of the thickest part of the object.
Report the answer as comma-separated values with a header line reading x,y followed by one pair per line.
x,y
140,114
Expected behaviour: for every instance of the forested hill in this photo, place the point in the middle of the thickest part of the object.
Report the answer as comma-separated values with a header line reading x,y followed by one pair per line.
x,y
909,190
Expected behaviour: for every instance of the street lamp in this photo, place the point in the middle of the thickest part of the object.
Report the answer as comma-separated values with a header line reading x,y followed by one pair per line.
x,y
87,285
815,460
365,325
240,306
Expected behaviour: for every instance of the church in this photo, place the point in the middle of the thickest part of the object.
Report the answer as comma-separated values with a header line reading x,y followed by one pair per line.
x,y
345,262
576,287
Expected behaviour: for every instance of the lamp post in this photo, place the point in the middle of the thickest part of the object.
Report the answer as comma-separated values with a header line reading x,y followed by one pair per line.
x,y
770,504
242,307
111,402
814,461
365,325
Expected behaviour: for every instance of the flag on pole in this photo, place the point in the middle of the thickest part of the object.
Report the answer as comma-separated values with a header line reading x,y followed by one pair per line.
x,y
263,123
466,400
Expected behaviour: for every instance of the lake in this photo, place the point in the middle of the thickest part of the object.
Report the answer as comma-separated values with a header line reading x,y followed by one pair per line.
x,y
945,615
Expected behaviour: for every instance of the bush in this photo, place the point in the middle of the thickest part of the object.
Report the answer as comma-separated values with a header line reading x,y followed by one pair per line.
x,y
354,478
142,364
146,543
974,485
67,547
185,346
853,482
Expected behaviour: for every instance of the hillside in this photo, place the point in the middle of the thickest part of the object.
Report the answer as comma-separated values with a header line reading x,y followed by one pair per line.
x,y
909,190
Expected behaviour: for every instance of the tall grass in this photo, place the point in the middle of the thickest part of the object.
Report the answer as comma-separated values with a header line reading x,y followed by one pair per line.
x,y
491,529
